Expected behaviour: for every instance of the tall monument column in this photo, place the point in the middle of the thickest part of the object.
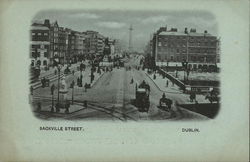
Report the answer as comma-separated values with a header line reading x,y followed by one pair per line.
x,y
130,48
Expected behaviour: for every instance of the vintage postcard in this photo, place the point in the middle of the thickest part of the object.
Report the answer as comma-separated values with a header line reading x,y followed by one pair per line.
x,y
124,81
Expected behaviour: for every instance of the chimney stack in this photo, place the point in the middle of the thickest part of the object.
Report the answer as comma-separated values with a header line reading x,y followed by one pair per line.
x,y
47,23
192,30
186,31
174,29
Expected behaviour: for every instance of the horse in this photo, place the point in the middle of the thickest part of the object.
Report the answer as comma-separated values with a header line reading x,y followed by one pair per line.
x,y
212,98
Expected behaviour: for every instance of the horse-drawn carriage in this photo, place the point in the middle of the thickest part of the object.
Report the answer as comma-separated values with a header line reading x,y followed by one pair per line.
x,y
165,103
142,97
213,96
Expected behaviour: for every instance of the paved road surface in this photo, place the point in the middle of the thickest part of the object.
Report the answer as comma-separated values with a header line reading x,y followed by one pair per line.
x,y
110,98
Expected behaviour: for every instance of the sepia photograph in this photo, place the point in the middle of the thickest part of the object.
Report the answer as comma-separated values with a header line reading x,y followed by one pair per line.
x,y
120,65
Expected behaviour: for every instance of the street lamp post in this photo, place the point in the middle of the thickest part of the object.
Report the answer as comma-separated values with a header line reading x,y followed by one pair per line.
x,y
52,93
185,68
72,85
58,83
59,69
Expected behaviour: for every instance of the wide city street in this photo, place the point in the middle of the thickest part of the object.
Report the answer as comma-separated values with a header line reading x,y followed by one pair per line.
x,y
111,97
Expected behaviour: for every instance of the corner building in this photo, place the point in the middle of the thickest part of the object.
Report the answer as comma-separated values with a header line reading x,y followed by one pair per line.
x,y
200,50
40,46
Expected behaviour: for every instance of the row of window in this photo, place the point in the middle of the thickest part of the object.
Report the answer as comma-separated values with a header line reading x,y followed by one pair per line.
x,y
172,50
191,58
184,44
42,46
202,44
160,44
38,54
184,38
194,50
46,34
40,34
201,50
38,63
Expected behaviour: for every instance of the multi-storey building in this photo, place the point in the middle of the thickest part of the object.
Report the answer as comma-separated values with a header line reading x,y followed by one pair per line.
x,y
71,46
117,46
112,46
62,39
54,42
40,45
100,44
91,42
171,46
79,46
94,43
84,45
65,45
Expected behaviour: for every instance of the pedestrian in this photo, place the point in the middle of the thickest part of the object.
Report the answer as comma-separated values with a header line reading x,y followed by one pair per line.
x,y
154,76
194,96
85,86
39,106
85,103
191,97
43,82
31,90
48,81
78,82
52,89
167,83
163,95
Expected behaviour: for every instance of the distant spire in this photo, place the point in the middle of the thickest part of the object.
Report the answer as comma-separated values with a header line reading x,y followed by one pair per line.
x,y
130,48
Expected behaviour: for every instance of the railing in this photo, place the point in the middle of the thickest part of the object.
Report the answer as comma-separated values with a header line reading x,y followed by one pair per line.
x,y
172,79
187,88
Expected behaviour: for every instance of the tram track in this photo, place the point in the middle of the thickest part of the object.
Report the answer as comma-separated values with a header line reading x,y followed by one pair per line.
x,y
91,105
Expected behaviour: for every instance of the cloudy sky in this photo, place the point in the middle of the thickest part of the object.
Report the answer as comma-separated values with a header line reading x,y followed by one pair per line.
x,y
116,23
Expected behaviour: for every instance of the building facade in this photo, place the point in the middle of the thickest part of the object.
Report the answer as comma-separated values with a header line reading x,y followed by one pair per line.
x,y
173,47
94,43
79,46
71,45
40,46
62,45
54,43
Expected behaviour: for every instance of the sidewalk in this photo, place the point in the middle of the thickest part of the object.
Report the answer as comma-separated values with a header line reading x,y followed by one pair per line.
x,y
46,110
45,99
51,75
160,83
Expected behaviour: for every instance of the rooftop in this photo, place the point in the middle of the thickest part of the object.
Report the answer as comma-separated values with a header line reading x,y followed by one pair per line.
x,y
38,27
184,34
37,21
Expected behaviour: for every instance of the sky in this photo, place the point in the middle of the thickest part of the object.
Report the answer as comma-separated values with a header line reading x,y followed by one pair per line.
x,y
115,23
